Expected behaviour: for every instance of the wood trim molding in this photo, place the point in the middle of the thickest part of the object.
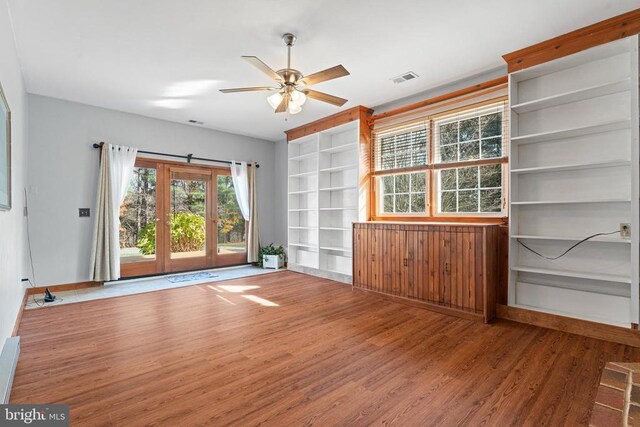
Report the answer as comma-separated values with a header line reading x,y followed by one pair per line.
x,y
14,333
441,98
602,32
356,113
568,324
63,287
458,220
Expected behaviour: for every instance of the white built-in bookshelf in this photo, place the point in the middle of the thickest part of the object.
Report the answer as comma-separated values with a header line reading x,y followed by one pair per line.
x,y
323,198
574,162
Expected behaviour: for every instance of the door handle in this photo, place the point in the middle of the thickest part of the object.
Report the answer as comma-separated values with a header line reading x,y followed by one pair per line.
x,y
405,262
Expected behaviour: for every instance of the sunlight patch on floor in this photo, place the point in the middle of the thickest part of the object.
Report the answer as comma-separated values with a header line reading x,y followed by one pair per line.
x,y
261,301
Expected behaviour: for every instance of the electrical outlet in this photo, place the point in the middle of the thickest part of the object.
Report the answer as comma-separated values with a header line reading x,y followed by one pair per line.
x,y
625,230
84,212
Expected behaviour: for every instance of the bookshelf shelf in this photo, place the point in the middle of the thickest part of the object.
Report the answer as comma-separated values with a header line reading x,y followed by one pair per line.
x,y
574,120
323,173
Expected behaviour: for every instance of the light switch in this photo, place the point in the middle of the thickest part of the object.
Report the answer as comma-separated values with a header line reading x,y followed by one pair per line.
x,y
84,212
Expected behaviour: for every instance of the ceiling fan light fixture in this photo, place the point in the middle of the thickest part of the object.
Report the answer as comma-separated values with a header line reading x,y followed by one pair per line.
x,y
294,108
298,97
292,92
275,100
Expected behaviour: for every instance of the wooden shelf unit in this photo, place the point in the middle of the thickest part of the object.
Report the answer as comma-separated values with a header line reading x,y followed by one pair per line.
x,y
574,167
324,176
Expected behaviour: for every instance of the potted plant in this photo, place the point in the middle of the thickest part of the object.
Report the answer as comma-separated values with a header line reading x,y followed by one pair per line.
x,y
271,256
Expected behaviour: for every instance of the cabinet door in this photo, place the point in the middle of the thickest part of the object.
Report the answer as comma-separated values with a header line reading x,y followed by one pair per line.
x,y
359,254
444,259
466,268
394,260
375,245
418,264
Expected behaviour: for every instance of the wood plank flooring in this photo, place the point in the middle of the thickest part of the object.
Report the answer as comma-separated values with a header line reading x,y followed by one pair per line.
x,y
291,349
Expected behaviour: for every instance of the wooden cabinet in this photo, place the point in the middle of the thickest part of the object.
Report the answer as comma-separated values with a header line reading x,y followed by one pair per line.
x,y
450,268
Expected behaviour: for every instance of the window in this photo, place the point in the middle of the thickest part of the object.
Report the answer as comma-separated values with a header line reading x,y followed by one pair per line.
x,y
404,193
471,189
402,150
232,228
138,217
464,175
407,147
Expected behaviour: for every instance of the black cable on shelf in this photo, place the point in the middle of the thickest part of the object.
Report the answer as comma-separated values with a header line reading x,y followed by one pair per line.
x,y
568,250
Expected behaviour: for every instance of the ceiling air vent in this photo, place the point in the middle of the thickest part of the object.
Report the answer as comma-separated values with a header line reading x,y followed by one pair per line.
x,y
409,75
194,122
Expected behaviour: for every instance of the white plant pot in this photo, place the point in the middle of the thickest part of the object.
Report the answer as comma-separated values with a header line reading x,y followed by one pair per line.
x,y
272,261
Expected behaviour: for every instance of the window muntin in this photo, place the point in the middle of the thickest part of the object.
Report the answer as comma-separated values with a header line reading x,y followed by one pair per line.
x,y
475,135
403,193
474,189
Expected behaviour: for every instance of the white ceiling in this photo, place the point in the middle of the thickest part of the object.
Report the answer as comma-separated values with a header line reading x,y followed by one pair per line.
x,y
144,55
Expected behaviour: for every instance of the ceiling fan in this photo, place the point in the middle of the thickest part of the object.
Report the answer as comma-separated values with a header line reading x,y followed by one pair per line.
x,y
292,89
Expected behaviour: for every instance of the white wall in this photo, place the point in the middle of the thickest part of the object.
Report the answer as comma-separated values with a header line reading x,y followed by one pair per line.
x,y
12,223
63,174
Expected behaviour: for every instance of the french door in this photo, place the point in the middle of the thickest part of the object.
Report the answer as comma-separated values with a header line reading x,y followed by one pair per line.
x,y
179,217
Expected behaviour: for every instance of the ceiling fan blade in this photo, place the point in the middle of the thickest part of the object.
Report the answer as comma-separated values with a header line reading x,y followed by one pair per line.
x,y
283,104
253,60
325,97
324,75
248,89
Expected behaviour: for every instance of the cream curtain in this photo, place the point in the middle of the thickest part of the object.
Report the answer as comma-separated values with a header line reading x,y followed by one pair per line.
x,y
116,167
253,244
241,187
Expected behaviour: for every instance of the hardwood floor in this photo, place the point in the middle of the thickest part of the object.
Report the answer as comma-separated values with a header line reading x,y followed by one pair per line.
x,y
291,349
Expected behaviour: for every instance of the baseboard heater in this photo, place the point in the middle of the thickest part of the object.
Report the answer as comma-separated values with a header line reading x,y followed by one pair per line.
x,y
8,363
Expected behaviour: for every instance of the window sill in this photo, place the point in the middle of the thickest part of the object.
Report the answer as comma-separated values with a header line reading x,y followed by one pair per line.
x,y
439,219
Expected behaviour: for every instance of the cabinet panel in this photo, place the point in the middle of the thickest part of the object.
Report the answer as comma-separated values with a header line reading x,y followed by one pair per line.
x,y
442,266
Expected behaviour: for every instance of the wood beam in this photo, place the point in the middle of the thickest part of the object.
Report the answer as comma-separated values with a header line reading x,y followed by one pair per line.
x,y
356,113
602,32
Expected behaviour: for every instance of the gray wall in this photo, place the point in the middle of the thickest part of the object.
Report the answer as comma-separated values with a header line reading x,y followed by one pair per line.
x,y
281,235
63,174
441,90
12,222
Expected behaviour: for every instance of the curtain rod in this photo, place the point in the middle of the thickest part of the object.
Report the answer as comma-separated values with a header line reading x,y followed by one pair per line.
x,y
189,157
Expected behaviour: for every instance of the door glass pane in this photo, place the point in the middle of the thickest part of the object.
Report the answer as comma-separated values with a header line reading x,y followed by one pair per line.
x,y
187,216
232,230
138,218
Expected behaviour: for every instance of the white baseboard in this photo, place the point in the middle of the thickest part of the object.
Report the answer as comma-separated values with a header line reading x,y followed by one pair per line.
x,y
8,363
